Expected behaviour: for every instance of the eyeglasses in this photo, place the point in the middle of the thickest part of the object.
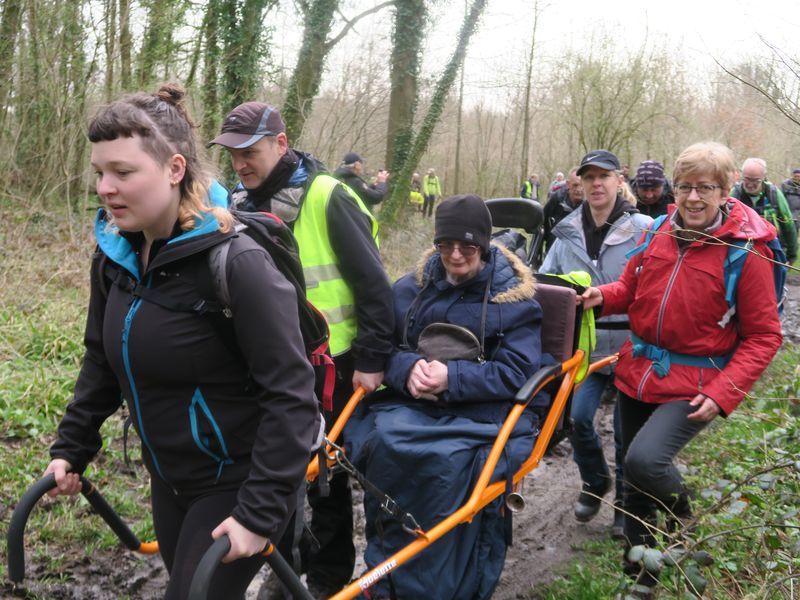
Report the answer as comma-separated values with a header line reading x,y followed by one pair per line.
x,y
704,190
467,250
753,179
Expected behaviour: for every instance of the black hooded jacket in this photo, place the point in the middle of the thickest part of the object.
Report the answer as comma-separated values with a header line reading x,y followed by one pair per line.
x,y
211,417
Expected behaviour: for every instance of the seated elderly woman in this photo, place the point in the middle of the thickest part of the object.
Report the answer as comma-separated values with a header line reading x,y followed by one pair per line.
x,y
687,360
424,439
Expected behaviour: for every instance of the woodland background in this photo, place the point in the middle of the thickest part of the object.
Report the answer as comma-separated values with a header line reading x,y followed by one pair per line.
x,y
359,76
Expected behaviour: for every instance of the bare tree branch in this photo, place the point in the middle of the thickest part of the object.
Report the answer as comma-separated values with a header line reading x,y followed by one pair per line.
x,y
351,23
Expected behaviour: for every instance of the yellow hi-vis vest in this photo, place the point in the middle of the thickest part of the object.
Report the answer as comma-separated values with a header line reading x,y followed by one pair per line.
x,y
325,287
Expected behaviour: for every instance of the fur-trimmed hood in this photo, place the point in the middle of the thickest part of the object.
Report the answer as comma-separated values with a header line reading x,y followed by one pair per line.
x,y
512,280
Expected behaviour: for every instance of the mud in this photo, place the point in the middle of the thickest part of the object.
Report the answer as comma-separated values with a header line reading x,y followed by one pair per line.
x,y
546,535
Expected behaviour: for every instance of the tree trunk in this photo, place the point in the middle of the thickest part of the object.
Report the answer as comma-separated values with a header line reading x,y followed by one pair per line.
x,y
408,34
307,74
526,108
111,37
210,89
244,47
400,193
125,44
9,30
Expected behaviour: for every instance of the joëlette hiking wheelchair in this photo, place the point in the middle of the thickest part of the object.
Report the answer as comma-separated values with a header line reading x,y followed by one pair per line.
x,y
560,330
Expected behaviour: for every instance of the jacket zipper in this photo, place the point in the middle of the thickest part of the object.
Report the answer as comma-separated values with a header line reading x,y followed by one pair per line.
x,y
660,323
132,384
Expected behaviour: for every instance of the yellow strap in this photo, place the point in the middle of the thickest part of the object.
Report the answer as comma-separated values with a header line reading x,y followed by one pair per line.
x,y
587,339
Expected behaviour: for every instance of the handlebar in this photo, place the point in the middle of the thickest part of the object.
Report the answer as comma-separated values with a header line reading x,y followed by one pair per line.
x,y
19,518
214,555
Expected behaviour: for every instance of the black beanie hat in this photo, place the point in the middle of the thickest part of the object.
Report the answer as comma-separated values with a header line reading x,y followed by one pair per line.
x,y
465,219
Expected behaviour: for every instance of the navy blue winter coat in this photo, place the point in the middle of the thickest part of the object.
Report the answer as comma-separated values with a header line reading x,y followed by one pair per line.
x,y
428,455
512,342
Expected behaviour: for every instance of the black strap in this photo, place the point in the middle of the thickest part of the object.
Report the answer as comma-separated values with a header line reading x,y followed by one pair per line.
x,y
127,283
411,313
613,325
387,503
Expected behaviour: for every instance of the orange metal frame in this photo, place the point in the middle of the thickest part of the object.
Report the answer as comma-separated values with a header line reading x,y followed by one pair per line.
x,y
483,493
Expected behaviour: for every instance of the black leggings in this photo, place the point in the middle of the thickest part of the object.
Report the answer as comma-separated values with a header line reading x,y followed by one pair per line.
x,y
183,528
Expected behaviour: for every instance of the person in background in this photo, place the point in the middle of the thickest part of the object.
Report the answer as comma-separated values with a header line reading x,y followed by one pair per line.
x,y
595,238
558,183
626,174
351,173
560,204
682,366
337,239
768,201
224,458
791,191
415,192
424,438
431,190
652,190
530,188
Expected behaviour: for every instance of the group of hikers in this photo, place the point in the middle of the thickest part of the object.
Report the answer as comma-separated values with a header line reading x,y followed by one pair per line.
x,y
221,391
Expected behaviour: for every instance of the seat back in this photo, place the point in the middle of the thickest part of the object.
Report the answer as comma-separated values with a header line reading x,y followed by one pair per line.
x,y
520,213
558,325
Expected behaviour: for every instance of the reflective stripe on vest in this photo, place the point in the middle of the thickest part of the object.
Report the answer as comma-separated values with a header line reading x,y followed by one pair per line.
x,y
325,287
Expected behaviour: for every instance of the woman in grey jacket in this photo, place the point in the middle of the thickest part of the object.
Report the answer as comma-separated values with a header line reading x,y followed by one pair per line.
x,y
595,238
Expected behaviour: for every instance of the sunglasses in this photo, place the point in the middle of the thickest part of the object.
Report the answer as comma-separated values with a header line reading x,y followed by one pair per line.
x,y
467,250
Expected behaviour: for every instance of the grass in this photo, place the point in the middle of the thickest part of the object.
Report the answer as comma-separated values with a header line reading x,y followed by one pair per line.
x,y
746,472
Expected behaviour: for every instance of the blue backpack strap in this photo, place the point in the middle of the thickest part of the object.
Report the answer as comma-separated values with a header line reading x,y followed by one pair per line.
x,y
648,237
732,271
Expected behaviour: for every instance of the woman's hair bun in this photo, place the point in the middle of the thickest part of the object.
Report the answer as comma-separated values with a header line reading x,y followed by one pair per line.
x,y
174,93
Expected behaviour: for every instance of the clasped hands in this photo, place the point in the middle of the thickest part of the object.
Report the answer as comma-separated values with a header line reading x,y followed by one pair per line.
x,y
427,379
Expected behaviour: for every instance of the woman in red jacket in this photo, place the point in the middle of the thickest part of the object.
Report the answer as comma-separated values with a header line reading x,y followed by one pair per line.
x,y
686,363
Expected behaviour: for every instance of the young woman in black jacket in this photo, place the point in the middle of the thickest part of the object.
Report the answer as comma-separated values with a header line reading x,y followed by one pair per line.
x,y
226,428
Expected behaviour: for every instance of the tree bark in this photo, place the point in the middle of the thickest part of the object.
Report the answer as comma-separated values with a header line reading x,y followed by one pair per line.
x,y
110,46
9,30
408,35
125,44
400,192
526,108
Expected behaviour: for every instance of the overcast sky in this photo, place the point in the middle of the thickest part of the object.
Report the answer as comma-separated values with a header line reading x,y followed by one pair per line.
x,y
695,29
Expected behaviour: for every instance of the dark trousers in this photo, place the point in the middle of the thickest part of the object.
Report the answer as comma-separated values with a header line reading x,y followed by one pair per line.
x,y
330,557
183,528
427,208
652,435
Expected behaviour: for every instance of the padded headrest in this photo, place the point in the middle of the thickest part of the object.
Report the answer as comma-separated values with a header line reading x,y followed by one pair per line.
x,y
558,323
516,212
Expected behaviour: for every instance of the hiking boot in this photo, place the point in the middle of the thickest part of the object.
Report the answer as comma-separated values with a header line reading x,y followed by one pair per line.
x,y
589,501
618,527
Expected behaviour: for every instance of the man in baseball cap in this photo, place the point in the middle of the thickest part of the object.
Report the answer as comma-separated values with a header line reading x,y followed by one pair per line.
x,y
337,241
652,189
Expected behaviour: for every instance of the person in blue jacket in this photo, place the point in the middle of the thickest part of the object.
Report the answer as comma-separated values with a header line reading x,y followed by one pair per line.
x,y
424,439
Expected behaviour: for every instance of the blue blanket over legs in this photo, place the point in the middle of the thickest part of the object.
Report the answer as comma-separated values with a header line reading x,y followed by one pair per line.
x,y
428,459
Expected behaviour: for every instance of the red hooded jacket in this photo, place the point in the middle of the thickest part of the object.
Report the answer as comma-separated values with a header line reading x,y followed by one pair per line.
x,y
675,301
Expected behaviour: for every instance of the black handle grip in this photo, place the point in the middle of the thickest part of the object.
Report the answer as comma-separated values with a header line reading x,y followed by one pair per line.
x,y
211,560
19,518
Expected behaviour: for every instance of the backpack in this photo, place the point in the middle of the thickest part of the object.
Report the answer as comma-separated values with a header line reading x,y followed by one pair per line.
x,y
272,234
732,269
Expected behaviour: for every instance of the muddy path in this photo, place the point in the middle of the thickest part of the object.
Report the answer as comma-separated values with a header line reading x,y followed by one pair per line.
x,y
546,535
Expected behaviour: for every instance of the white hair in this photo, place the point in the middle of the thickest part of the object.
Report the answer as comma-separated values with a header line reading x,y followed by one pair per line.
x,y
759,161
